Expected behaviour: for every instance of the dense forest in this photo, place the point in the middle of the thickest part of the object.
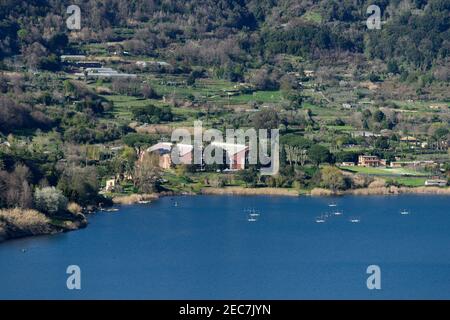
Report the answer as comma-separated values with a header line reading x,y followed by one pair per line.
x,y
415,34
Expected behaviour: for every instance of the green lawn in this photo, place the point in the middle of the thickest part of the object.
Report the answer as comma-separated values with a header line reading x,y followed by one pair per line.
x,y
341,128
384,171
399,175
258,96
410,181
312,16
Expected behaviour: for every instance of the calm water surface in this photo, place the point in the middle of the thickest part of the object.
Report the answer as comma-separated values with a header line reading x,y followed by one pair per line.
x,y
205,248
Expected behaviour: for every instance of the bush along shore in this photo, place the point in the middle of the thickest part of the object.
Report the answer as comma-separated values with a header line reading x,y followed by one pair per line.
x,y
18,223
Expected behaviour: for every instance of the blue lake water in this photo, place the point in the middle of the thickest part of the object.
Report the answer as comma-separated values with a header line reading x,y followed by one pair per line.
x,y
205,248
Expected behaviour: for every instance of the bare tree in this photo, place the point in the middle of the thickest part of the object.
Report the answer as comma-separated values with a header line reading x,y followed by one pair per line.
x,y
147,173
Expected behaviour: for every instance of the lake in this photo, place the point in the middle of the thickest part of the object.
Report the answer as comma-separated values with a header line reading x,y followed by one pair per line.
x,y
205,247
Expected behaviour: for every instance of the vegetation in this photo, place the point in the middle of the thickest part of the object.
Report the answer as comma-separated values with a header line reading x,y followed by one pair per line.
x,y
333,88
50,201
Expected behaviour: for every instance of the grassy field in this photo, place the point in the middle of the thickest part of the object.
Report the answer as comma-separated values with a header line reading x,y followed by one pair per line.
x,y
346,128
258,96
410,181
384,171
401,176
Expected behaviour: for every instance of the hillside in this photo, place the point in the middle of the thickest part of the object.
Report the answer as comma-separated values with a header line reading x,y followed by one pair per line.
x,y
357,109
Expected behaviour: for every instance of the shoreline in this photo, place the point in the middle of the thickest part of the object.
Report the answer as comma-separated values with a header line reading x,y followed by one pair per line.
x,y
240,191
320,192
22,223
289,192
11,231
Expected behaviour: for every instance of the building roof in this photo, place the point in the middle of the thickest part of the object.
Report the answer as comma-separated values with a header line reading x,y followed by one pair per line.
x,y
369,157
408,138
72,57
167,146
230,148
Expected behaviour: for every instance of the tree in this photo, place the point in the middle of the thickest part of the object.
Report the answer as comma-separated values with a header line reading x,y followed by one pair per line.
x,y
319,154
152,114
148,92
332,178
69,88
34,54
249,176
378,116
295,155
382,143
15,190
139,140
123,163
147,174
303,157
50,201
392,67
289,154
266,119
15,116
58,42
263,80
80,184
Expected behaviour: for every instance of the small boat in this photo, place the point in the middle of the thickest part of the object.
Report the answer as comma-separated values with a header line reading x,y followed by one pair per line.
x,y
320,219
250,219
112,210
254,213
144,201
355,220
404,212
332,205
338,213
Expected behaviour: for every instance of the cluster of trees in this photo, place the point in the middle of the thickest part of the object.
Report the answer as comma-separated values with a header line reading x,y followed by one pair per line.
x,y
329,177
134,87
224,32
15,116
418,39
152,114
15,189
28,168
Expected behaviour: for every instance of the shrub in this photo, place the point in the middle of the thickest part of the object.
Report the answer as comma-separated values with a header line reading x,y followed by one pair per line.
x,y
49,200
332,178
74,208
